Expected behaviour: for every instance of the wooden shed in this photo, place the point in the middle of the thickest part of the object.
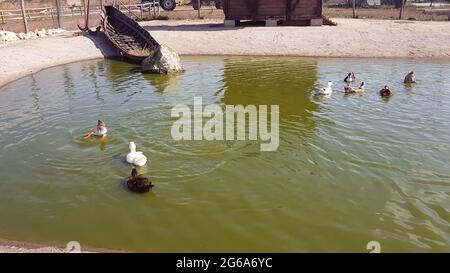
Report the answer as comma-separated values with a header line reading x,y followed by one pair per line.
x,y
291,12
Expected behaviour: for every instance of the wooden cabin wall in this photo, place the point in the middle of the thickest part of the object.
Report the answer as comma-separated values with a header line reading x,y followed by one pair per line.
x,y
307,9
272,9
236,10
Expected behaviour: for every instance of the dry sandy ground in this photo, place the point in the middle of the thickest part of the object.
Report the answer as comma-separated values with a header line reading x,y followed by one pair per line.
x,y
352,38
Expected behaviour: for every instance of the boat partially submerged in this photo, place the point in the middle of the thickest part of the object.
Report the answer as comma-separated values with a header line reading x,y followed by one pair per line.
x,y
133,41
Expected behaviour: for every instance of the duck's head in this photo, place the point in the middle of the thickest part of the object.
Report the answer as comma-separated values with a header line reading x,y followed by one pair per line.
x,y
411,73
363,84
132,147
134,172
101,124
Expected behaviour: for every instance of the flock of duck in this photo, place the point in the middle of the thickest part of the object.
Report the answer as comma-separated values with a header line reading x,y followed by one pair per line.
x,y
136,182
349,89
140,184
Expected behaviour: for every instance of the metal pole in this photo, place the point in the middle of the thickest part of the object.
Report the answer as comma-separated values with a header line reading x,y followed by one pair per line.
x,y
24,16
401,9
154,9
198,10
58,13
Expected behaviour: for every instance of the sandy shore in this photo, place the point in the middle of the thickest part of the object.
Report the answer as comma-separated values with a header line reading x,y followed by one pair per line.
x,y
352,38
10,246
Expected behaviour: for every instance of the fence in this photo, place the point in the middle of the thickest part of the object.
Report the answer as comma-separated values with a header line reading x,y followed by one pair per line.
x,y
49,15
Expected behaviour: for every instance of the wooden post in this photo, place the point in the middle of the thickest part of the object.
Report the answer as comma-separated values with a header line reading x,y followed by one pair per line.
x,y
129,8
83,9
24,16
149,13
354,8
3,20
401,9
58,13
198,11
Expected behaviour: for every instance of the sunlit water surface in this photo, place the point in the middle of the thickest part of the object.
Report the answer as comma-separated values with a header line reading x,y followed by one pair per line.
x,y
349,169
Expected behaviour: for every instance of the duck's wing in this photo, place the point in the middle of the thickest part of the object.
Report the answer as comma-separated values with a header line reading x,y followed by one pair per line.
x,y
131,158
142,178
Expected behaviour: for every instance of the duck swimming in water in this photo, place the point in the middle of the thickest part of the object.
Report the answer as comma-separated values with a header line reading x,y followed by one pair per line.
x,y
326,91
138,183
386,92
350,78
136,158
100,130
410,78
353,90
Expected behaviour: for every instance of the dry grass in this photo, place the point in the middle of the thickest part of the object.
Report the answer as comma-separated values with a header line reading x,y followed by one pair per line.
x,y
389,13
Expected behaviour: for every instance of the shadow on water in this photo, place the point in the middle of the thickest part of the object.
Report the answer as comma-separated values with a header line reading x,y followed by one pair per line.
x,y
34,94
164,83
287,83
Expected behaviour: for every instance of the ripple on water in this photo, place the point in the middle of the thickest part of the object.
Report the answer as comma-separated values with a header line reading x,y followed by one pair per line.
x,y
349,169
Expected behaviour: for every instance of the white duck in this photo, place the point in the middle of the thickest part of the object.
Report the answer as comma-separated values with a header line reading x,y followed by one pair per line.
x,y
136,158
326,91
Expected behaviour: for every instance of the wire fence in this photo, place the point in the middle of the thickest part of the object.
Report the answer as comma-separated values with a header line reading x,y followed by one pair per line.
x,y
68,14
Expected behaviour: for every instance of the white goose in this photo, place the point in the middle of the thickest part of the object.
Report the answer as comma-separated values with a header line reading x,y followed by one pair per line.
x,y
136,158
326,91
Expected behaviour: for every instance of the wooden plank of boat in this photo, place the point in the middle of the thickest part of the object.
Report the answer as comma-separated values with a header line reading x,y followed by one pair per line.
x,y
133,41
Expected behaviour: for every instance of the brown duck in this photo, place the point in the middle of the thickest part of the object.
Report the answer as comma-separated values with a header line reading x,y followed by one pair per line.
x,y
138,183
386,92
410,78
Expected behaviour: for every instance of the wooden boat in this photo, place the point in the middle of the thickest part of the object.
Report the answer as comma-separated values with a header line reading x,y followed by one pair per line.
x,y
134,42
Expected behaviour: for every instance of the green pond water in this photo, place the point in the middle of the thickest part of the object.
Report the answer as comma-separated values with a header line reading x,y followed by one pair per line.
x,y
348,170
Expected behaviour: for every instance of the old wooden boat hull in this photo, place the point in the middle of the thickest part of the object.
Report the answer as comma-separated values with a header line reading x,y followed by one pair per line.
x,y
133,41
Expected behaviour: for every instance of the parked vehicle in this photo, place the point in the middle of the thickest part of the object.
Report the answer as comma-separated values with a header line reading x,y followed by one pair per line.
x,y
164,4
